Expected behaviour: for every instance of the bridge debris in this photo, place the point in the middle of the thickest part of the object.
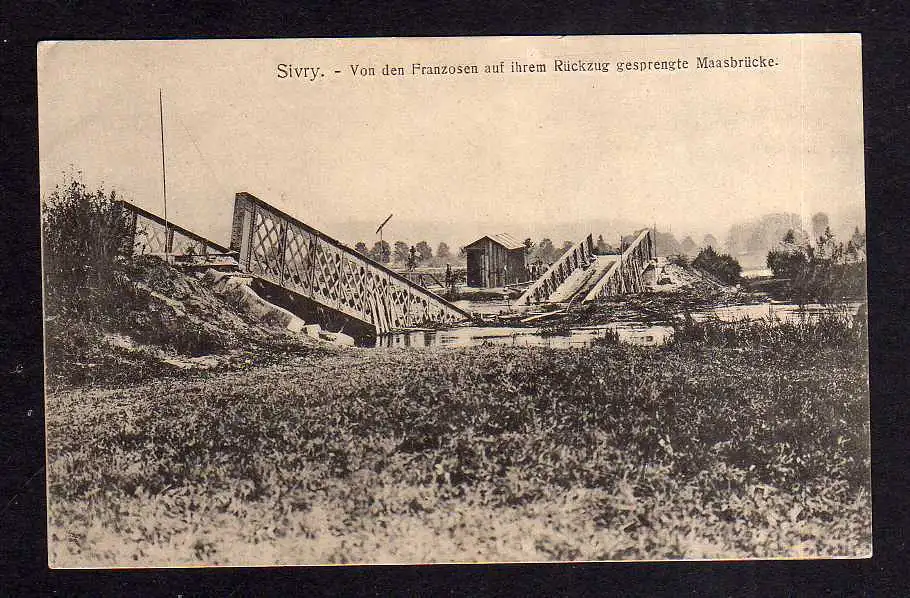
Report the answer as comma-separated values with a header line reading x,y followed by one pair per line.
x,y
236,289
579,256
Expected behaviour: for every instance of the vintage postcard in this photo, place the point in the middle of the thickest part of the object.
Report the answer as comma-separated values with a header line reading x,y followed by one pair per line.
x,y
454,300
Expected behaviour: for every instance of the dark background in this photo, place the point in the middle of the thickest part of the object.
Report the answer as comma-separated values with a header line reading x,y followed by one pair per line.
x,y
23,552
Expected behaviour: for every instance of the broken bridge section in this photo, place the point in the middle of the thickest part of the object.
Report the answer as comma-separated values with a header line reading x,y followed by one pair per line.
x,y
153,236
625,274
580,256
284,251
581,275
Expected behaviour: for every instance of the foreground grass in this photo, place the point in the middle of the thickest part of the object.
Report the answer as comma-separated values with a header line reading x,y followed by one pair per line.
x,y
700,449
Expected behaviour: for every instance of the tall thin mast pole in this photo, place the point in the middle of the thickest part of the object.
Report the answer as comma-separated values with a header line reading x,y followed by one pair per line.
x,y
379,230
163,172
654,239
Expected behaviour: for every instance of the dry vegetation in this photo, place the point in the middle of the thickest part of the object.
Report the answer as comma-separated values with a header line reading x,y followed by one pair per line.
x,y
744,441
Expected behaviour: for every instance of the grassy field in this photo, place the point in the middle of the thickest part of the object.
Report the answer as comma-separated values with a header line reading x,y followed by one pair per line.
x,y
750,441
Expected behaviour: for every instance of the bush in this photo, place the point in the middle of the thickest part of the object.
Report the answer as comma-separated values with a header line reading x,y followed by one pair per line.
x,y
826,273
787,264
721,265
87,237
810,335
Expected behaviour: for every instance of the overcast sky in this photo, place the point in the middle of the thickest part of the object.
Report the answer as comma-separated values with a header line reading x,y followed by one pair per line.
x,y
693,150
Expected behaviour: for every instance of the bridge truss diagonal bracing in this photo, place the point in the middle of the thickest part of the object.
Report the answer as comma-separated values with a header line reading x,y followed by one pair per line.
x,y
152,235
284,251
579,256
579,274
625,276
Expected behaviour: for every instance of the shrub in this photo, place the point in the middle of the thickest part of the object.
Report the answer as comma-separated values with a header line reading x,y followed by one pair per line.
x,y
721,265
787,264
839,330
825,273
86,238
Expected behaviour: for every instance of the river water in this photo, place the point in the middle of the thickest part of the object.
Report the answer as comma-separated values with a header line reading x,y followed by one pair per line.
x,y
635,333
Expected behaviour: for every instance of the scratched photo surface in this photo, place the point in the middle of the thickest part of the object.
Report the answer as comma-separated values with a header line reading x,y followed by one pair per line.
x,y
435,300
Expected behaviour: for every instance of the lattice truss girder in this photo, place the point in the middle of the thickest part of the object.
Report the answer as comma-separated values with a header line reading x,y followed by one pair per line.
x,y
180,243
297,257
290,256
265,246
627,276
149,236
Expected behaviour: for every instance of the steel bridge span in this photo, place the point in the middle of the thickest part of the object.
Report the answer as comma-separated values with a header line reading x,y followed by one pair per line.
x,y
279,249
282,250
580,275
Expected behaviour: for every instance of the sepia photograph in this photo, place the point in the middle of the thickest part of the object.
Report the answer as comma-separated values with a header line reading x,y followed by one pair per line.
x,y
454,300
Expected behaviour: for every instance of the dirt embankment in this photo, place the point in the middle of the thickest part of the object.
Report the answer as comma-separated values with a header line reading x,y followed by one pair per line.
x,y
165,321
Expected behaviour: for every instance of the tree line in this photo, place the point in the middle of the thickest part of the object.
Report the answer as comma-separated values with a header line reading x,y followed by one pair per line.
x,y
743,239
825,271
544,251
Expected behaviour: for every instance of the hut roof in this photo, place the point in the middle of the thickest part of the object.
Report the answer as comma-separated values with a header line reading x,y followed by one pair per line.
x,y
504,239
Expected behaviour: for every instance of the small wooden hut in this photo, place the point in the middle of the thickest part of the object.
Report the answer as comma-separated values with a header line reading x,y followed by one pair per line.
x,y
496,260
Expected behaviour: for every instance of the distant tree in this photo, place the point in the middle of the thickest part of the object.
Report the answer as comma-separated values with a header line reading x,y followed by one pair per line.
x,y
688,246
546,253
529,246
361,248
381,252
443,251
566,245
602,246
721,265
858,239
856,246
758,236
819,224
666,242
709,241
424,251
400,252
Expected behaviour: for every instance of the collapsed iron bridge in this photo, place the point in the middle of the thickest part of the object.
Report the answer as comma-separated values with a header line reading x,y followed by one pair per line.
x,y
277,249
